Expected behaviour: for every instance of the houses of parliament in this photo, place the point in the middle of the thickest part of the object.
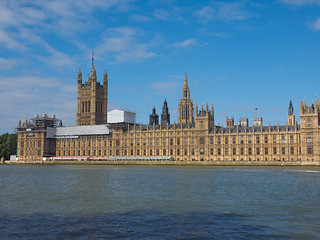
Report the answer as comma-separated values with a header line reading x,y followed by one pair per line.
x,y
104,136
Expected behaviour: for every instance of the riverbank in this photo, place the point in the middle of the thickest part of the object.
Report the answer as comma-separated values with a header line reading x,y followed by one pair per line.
x,y
175,163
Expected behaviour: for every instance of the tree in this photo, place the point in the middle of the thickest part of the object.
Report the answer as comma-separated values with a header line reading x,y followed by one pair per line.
x,y
8,145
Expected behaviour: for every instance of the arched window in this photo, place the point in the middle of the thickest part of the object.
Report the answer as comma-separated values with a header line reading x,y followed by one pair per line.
x,y
185,93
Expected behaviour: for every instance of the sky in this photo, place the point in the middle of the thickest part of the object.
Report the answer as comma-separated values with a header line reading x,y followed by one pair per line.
x,y
239,56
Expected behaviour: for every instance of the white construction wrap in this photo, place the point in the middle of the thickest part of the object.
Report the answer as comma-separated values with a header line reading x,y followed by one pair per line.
x,y
120,116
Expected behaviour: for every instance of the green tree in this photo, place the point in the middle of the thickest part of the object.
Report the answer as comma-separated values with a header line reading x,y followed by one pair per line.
x,y
8,145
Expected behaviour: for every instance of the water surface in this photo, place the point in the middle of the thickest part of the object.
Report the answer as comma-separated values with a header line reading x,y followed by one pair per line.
x,y
158,202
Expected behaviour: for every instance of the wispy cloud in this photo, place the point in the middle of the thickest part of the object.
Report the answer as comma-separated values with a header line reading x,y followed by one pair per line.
x,y
170,86
300,2
125,44
316,25
140,18
7,64
25,95
186,43
224,11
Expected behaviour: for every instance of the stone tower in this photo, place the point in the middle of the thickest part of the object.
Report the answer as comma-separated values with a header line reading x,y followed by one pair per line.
x,y
185,109
291,117
205,117
92,99
309,131
153,117
165,116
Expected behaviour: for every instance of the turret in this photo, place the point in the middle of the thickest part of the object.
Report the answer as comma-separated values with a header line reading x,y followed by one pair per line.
x,y
153,117
79,77
165,116
204,117
291,117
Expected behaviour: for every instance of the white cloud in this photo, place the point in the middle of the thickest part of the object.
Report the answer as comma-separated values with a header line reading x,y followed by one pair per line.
x,y
186,43
161,14
7,64
165,87
170,86
24,96
222,11
140,18
125,44
316,25
300,2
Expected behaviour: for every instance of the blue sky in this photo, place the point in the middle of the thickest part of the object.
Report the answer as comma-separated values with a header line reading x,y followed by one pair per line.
x,y
239,55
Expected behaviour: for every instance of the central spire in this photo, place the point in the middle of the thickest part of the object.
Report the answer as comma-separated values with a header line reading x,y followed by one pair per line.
x,y
92,58
185,77
185,109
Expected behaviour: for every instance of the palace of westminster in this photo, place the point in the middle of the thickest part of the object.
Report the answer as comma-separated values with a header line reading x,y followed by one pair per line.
x,y
114,136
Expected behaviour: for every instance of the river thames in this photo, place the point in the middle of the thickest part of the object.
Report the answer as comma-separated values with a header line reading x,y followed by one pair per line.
x,y
159,202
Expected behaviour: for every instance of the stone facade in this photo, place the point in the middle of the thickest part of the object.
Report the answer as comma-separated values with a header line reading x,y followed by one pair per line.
x,y
92,100
194,137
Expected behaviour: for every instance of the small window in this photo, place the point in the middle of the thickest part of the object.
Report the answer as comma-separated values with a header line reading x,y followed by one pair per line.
x,y
309,122
310,150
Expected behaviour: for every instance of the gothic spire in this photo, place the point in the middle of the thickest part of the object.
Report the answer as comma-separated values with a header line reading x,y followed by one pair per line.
x,y
93,59
290,109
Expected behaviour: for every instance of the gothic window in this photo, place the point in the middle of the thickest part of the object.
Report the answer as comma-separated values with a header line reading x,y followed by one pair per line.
x,y
291,150
309,150
185,94
309,137
201,151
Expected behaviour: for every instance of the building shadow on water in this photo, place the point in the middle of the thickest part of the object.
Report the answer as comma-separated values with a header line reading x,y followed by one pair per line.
x,y
135,225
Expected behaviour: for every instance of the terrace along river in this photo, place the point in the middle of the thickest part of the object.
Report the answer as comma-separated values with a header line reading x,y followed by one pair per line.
x,y
158,202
